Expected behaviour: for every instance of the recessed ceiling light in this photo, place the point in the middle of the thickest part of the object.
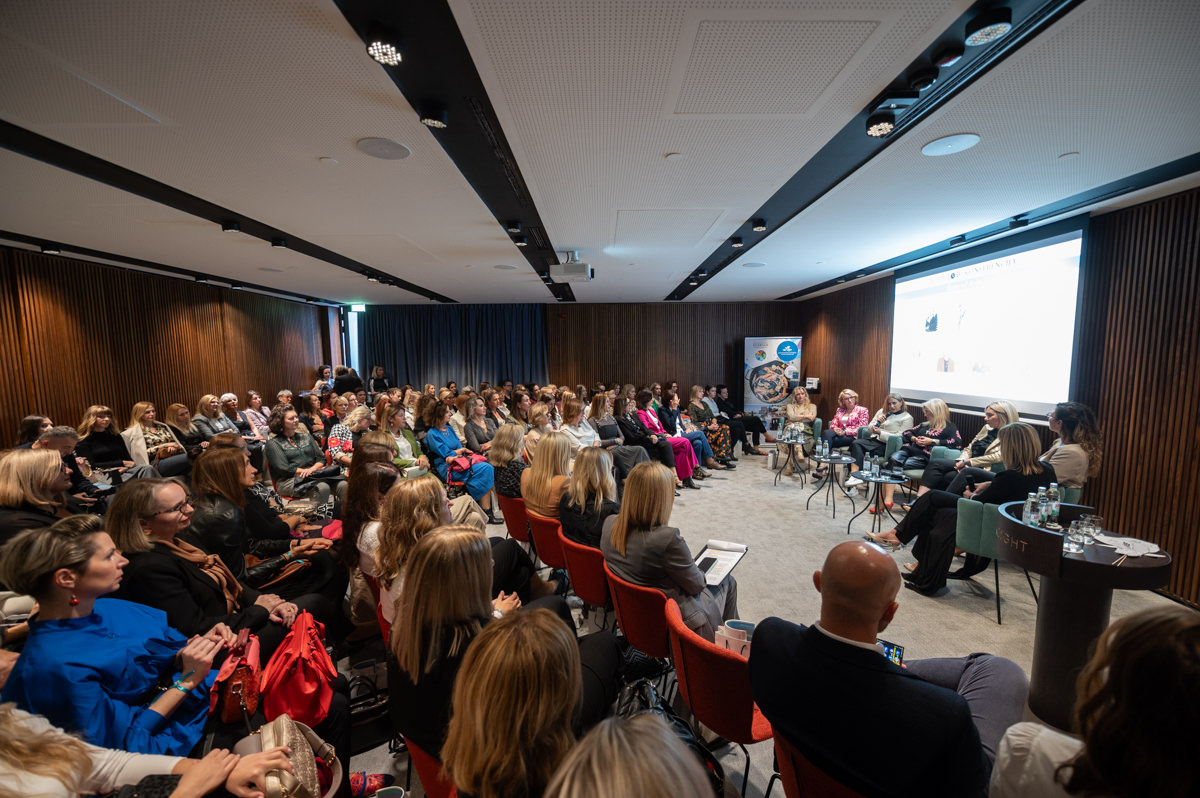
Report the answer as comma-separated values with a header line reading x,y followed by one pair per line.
x,y
230,227
988,27
50,249
385,149
693,282
949,145
434,117
881,124
279,243
736,242
505,267
758,225
384,52
513,226
753,265
372,278
922,79
521,241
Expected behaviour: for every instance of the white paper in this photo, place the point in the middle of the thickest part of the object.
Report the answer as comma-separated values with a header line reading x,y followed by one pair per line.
x,y
726,554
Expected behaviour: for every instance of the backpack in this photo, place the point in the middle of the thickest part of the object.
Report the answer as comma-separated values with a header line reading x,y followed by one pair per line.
x,y
298,679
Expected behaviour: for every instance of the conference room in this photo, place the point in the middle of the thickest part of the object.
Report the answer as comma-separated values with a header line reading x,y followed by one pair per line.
x,y
974,201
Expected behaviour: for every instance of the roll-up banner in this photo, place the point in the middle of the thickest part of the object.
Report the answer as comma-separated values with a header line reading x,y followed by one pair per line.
x,y
771,370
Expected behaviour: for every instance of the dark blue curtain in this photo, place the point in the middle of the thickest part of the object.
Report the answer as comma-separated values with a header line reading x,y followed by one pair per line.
x,y
464,343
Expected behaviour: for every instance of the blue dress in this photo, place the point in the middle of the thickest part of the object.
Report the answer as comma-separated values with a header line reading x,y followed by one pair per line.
x,y
98,675
479,479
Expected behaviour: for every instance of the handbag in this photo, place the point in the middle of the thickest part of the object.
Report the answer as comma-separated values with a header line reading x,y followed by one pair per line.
x,y
298,679
642,697
316,770
329,473
234,695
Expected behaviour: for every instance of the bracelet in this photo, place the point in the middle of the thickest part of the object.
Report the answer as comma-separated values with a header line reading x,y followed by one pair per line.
x,y
179,686
497,613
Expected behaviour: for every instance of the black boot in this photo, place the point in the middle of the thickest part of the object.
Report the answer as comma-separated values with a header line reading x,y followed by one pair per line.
x,y
492,519
688,483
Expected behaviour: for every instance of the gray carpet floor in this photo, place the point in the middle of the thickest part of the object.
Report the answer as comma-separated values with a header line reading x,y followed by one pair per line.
x,y
787,543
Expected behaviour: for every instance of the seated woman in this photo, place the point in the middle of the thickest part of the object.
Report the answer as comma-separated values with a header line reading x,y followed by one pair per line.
x,y
718,434
545,481
685,457
976,459
179,419
623,756
257,414
1076,452
30,428
799,413
377,383
209,417
407,451
479,428
195,588
933,518
635,432
343,436
91,665
506,460
41,760
297,465
529,668
458,419
368,487
311,417
443,443
936,430
625,457
1139,685
539,425
266,515
244,427
105,449
673,425
33,486
324,383
590,498
220,480
891,419
518,408
580,434
639,547
843,429
151,442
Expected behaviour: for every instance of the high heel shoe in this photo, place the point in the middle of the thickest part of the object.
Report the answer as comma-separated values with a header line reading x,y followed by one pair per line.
x,y
887,544
888,505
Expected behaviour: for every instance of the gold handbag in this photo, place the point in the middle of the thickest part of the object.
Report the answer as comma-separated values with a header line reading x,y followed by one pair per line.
x,y
305,746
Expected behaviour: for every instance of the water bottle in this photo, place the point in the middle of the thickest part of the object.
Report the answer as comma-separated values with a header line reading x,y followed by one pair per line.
x,y
1029,512
1043,507
875,464
1055,505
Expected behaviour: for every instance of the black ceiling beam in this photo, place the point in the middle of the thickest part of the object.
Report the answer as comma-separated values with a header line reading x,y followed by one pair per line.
x,y
1180,167
436,71
851,148
41,148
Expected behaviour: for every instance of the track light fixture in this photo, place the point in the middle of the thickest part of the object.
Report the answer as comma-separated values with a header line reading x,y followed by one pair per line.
x,y
922,79
372,278
989,26
880,124
513,226
736,243
948,55
434,117
1017,222
382,46
279,243
51,249
230,227
758,225
521,241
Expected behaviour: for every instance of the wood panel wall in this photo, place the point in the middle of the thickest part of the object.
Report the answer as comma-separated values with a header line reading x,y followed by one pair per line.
x,y
1139,369
74,334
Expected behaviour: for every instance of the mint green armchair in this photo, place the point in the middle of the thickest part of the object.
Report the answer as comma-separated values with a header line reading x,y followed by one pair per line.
x,y
976,534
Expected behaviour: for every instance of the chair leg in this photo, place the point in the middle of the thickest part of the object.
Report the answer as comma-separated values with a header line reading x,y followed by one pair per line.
x,y
1029,579
746,770
770,783
996,568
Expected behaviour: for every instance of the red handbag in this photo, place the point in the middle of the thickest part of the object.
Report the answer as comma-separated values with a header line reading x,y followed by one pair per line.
x,y
234,694
298,679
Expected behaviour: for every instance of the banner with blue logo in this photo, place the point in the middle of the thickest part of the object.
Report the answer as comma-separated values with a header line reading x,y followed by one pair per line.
x,y
770,372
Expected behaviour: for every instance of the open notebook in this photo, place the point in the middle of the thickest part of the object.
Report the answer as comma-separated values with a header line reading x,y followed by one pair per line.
x,y
719,558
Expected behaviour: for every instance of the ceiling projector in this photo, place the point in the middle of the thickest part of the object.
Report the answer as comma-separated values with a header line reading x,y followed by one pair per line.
x,y
573,271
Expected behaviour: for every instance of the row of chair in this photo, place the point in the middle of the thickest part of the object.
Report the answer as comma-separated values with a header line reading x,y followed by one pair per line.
x,y
713,681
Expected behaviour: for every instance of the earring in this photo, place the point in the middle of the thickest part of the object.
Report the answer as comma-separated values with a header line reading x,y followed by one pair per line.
x,y
74,600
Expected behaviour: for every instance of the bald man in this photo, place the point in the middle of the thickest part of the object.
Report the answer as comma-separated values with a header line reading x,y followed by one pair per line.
x,y
930,729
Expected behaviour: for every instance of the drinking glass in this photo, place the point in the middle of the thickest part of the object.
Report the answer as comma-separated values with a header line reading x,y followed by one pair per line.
x,y
1073,539
1092,526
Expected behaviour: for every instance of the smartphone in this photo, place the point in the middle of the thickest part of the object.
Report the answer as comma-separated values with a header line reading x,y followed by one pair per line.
x,y
706,563
892,651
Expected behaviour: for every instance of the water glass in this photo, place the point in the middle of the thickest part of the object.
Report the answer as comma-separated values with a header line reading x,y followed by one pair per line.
x,y
1073,539
1092,526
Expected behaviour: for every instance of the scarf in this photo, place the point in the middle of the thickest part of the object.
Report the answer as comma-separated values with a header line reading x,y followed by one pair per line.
x,y
212,566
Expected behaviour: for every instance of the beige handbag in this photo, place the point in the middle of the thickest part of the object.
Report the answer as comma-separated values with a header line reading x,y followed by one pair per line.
x,y
305,746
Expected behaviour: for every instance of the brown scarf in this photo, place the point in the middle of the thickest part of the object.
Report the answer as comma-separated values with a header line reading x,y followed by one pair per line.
x,y
212,566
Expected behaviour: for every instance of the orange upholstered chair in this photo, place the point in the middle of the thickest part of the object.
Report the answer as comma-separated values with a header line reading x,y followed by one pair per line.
x,y
802,779
515,519
585,567
429,771
544,532
641,612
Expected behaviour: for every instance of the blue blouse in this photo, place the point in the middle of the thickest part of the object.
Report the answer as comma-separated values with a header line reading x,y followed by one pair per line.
x,y
97,676
442,445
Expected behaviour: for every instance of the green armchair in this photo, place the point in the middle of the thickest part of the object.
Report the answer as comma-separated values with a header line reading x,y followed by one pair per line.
x,y
976,534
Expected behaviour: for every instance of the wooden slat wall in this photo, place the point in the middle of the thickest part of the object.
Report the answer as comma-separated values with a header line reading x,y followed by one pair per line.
x,y
75,333
1139,370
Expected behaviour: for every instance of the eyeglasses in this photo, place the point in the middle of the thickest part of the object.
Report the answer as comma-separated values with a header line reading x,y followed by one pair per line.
x,y
179,508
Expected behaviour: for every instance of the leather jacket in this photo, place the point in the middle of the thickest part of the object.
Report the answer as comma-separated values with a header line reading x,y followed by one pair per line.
x,y
219,527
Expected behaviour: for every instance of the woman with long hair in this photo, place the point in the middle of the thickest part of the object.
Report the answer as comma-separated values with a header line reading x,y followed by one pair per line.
x,y
530,669
719,436
686,464
31,427
519,405
591,497
936,430
976,458
1135,699
891,419
673,422
257,413
105,449
799,413
1076,452
343,436
639,547
634,431
539,425
151,442
479,428
507,463
545,481
310,416
933,519
625,457
406,450
244,427
33,490
179,419
443,444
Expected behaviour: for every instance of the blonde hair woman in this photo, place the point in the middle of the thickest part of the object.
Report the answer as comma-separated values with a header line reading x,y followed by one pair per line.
x,y
410,509
890,420
639,547
179,419
590,497
843,428
976,458
209,417
799,415
105,449
539,425
33,485
506,460
545,481
151,442
936,430
626,756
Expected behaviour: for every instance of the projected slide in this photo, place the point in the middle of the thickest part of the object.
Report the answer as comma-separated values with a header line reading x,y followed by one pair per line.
x,y
1001,328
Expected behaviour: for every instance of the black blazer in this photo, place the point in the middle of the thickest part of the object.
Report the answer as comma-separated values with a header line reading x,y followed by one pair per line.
x,y
192,601
831,700
670,419
634,431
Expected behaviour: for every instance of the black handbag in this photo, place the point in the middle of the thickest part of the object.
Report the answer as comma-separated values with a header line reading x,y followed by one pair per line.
x,y
330,473
642,697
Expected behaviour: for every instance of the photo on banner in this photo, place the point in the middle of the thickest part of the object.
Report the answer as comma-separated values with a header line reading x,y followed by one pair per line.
x,y
771,370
